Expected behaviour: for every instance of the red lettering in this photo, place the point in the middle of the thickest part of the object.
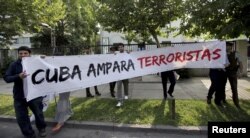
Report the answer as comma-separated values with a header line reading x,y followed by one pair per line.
x,y
216,53
141,61
170,57
189,55
178,56
162,59
155,60
197,54
148,61
207,54
184,56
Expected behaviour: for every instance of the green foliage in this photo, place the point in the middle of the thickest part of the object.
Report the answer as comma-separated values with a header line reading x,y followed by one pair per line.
x,y
6,62
145,18
18,17
81,22
217,19
13,18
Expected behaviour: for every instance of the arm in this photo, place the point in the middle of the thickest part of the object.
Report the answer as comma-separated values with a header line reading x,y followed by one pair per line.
x,y
9,75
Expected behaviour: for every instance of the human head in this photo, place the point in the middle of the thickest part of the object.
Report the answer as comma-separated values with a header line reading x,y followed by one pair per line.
x,y
112,49
229,47
23,51
121,47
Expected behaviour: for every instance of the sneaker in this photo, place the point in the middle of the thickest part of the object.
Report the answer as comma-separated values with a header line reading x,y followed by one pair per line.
x,y
42,133
126,97
119,104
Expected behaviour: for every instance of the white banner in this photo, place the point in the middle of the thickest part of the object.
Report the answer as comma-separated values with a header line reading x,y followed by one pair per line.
x,y
60,74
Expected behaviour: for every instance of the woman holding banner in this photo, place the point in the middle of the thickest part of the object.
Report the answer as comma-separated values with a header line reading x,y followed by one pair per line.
x,y
63,111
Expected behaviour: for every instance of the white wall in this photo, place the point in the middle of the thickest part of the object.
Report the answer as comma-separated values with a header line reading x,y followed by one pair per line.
x,y
23,40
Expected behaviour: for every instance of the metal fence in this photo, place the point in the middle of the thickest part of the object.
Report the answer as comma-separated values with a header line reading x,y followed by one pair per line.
x,y
66,50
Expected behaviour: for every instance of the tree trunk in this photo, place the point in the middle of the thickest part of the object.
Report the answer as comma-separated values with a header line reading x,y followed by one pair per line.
x,y
157,41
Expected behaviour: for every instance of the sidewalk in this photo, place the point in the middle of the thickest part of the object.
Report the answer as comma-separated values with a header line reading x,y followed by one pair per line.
x,y
149,87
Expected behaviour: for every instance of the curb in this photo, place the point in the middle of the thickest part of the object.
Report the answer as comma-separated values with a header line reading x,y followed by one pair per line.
x,y
123,127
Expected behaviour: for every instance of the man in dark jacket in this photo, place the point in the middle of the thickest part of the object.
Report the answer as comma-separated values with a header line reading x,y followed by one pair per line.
x,y
16,74
232,70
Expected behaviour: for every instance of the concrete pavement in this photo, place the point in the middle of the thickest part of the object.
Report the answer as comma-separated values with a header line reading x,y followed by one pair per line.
x,y
149,87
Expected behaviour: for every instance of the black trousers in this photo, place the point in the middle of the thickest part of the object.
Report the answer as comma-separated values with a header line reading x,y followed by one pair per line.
x,y
165,76
22,115
233,80
218,83
112,86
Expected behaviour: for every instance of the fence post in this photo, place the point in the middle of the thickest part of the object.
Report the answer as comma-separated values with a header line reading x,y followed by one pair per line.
x,y
172,108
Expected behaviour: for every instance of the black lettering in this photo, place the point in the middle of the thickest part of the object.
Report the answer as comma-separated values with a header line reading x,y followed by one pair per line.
x,y
64,74
33,77
131,64
123,65
116,67
54,77
91,70
100,67
108,67
76,71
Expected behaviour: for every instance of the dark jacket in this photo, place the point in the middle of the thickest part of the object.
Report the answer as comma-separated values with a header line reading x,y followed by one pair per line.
x,y
12,75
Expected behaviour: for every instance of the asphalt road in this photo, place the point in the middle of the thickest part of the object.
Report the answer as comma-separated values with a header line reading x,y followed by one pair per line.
x,y
11,130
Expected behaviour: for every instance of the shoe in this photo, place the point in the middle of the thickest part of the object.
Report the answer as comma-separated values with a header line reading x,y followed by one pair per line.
x,y
170,94
238,106
220,105
97,93
126,97
32,136
208,101
42,133
165,98
88,94
57,127
112,94
119,104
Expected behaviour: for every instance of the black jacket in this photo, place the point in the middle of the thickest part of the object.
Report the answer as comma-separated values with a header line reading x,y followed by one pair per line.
x,y
12,75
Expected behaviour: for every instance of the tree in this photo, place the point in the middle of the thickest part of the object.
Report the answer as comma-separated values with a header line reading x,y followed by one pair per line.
x,y
81,22
141,16
13,15
216,18
18,17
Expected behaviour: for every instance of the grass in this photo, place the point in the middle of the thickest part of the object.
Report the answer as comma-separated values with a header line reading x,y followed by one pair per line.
x,y
155,112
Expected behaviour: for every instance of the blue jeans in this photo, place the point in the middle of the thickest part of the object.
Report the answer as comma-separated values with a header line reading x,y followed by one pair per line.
x,y
22,115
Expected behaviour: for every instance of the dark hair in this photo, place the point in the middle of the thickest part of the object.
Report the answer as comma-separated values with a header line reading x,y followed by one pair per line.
x,y
229,44
120,44
24,48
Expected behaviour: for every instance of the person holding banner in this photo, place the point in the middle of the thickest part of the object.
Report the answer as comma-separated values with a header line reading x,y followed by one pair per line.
x,y
88,93
16,74
112,84
63,111
234,70
119,83
218,79
164,77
